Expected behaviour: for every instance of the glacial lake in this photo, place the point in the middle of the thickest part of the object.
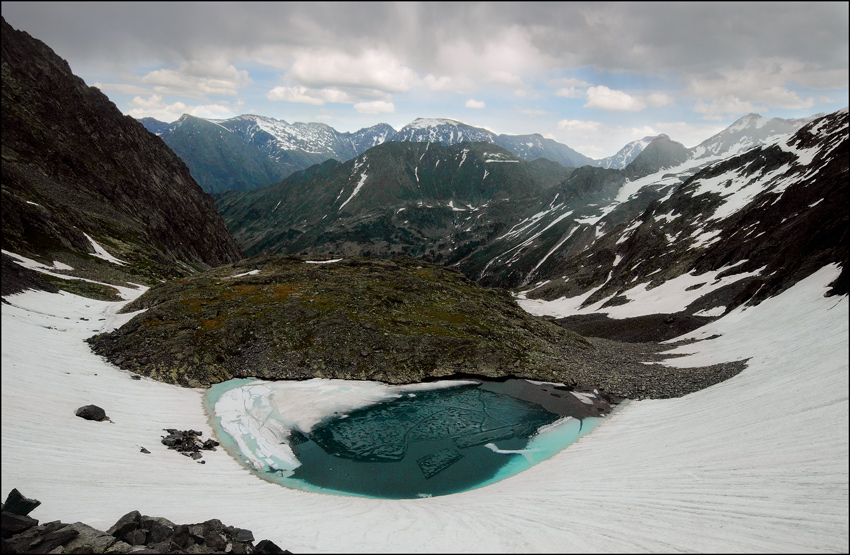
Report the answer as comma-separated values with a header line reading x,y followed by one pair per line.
x,y
397,442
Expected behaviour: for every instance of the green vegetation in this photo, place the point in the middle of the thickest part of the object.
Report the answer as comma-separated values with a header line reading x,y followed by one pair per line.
x,y
397,321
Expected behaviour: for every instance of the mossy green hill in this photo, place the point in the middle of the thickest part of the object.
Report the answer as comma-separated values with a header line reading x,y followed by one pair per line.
x,y
397,321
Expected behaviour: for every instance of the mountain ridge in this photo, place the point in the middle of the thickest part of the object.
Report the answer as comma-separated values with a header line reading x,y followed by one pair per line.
x,y
291,147
81,179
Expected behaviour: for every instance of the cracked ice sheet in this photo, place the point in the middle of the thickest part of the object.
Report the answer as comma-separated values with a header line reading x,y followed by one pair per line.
x,y
756,463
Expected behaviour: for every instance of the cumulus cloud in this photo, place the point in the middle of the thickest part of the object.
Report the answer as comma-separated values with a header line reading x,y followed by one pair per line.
x,y
375,107
603,98
198,78
458,84
155,107
372,69
579,125
570,92
304,95
476,104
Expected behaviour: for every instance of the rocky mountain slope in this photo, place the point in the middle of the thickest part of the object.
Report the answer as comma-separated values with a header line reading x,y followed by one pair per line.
x,y
87,186
440,203
740,230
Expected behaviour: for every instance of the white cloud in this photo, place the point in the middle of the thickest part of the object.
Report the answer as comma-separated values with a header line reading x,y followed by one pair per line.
x,y
304,95
372,69
476,104
197,79
444,83
156,108
570,92
375,107
603,98
578,125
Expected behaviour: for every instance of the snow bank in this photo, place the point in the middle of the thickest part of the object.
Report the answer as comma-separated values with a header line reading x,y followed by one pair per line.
x,y
756,463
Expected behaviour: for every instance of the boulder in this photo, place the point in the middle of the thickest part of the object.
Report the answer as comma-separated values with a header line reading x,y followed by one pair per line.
x,y
91,412
125,524
18,504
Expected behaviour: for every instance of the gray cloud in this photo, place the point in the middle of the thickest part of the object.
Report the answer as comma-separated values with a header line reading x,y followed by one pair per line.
x,y
644,37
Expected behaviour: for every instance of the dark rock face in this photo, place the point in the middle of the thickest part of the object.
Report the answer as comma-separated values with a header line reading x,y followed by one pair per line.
x,y
91,412
73,164
22,534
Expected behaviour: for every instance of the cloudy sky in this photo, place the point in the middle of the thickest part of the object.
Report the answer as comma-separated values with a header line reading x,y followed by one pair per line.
x,y
591,75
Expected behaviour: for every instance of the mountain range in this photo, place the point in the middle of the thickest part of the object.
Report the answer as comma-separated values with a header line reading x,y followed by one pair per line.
x,y
507,222
249,151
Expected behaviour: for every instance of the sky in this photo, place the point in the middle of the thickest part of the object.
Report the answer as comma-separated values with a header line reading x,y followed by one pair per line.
x,y
593,76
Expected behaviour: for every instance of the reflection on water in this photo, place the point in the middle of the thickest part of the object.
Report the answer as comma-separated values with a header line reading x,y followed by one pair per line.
x,y
431,442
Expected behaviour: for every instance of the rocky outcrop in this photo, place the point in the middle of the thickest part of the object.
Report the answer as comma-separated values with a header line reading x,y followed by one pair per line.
x,y
132,532
73,165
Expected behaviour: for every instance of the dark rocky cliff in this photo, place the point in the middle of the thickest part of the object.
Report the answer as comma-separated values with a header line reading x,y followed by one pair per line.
x,y
74,165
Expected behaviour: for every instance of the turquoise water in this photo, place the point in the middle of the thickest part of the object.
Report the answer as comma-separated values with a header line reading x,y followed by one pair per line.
x,y
428,443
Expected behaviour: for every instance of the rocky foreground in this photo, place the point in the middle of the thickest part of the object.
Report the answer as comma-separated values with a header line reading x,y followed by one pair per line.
x,y
395,321
132,533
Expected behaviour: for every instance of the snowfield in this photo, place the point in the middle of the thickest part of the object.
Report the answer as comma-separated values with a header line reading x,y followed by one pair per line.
x,y
756,463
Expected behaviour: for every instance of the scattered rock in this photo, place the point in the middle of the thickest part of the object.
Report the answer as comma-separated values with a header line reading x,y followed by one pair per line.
x,y
91,412
131,533
145,451
187,442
